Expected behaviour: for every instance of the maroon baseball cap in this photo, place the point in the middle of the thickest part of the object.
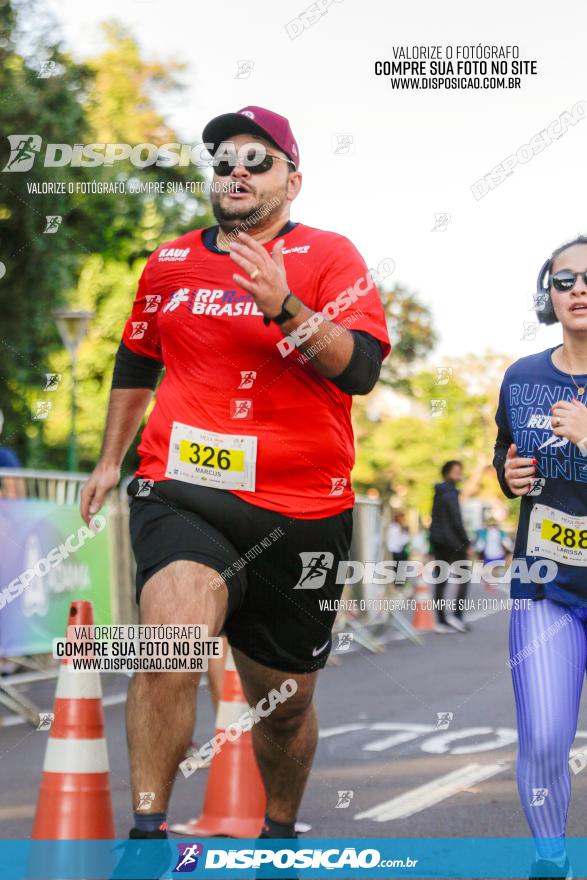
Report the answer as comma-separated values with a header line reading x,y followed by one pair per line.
x,y
253,120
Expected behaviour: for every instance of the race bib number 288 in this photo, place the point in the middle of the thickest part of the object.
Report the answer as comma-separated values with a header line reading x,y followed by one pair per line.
x,y
205,458
556,535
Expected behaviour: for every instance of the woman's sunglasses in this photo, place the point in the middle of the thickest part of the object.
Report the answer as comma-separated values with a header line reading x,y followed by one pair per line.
x,y
222,168
566,280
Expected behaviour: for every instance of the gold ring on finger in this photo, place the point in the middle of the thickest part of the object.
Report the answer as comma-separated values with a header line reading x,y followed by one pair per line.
x,y
254,274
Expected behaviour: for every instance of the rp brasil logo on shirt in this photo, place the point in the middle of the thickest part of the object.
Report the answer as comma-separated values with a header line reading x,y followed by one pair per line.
x,y
204,301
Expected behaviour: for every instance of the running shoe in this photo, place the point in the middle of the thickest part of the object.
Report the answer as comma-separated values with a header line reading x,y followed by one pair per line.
x,y
139,854
548,870
444,628
458,624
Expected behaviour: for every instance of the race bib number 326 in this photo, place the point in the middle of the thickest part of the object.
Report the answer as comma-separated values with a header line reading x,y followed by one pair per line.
x,y
557,535
205,458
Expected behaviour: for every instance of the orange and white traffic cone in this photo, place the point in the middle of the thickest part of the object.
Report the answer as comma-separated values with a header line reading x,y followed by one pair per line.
x,y
423,618
74,799
234,805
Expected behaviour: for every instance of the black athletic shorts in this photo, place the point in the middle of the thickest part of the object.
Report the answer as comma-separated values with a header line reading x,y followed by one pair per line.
x,y
278,570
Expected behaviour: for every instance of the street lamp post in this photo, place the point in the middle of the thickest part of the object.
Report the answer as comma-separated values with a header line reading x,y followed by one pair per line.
x,y
72,326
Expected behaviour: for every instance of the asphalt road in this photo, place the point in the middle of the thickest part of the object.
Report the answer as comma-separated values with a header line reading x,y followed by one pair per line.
x,y
409,773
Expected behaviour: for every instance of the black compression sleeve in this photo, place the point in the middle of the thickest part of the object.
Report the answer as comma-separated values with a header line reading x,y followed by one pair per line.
x,y
134,370
364,367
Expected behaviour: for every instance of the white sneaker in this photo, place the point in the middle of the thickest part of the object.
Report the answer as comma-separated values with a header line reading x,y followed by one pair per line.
x,y
457,624
444,628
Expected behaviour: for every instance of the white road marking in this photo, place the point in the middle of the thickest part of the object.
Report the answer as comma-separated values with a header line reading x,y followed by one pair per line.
x,y
431,793
439,743
499,738
342,728
404,733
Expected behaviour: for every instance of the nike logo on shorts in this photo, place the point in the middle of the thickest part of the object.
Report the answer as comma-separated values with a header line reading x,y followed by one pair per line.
x,y
317,651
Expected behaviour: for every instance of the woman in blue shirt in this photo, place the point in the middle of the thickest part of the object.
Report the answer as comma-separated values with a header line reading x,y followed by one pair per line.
x,y
541,456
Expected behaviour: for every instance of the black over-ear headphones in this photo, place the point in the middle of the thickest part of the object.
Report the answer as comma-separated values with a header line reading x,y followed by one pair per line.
x,y
542,298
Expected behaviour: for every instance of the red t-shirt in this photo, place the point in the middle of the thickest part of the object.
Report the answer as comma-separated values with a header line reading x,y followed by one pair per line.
x,y
217,352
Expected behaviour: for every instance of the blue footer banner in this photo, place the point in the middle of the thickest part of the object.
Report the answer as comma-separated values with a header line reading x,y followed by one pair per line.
x,y
225,858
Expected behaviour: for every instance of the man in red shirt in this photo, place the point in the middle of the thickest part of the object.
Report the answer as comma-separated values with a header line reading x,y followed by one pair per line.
x,y
241,509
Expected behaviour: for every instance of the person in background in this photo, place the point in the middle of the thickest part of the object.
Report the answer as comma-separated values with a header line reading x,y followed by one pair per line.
x,y
397,537
493,545
420,541
449,542
541,459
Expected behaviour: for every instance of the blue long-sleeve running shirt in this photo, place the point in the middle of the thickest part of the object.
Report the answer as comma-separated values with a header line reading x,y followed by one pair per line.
x,y
553,517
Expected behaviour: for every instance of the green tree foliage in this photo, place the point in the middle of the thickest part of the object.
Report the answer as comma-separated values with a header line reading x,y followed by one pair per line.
x,y
122,100
411,334
122,107
112,98
106,287
38,267
402,454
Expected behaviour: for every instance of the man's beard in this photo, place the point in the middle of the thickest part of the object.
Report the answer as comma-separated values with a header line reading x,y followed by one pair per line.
x,y
231,216
227,215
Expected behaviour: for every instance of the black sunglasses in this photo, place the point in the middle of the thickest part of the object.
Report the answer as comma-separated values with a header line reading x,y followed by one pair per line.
x,y
222,167
566,280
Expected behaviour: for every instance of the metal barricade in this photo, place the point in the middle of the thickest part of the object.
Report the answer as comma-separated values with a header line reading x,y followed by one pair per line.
x,y
367,543
367,546
61,487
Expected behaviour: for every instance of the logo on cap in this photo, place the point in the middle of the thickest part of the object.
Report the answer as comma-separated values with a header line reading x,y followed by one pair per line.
x,y
248,113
